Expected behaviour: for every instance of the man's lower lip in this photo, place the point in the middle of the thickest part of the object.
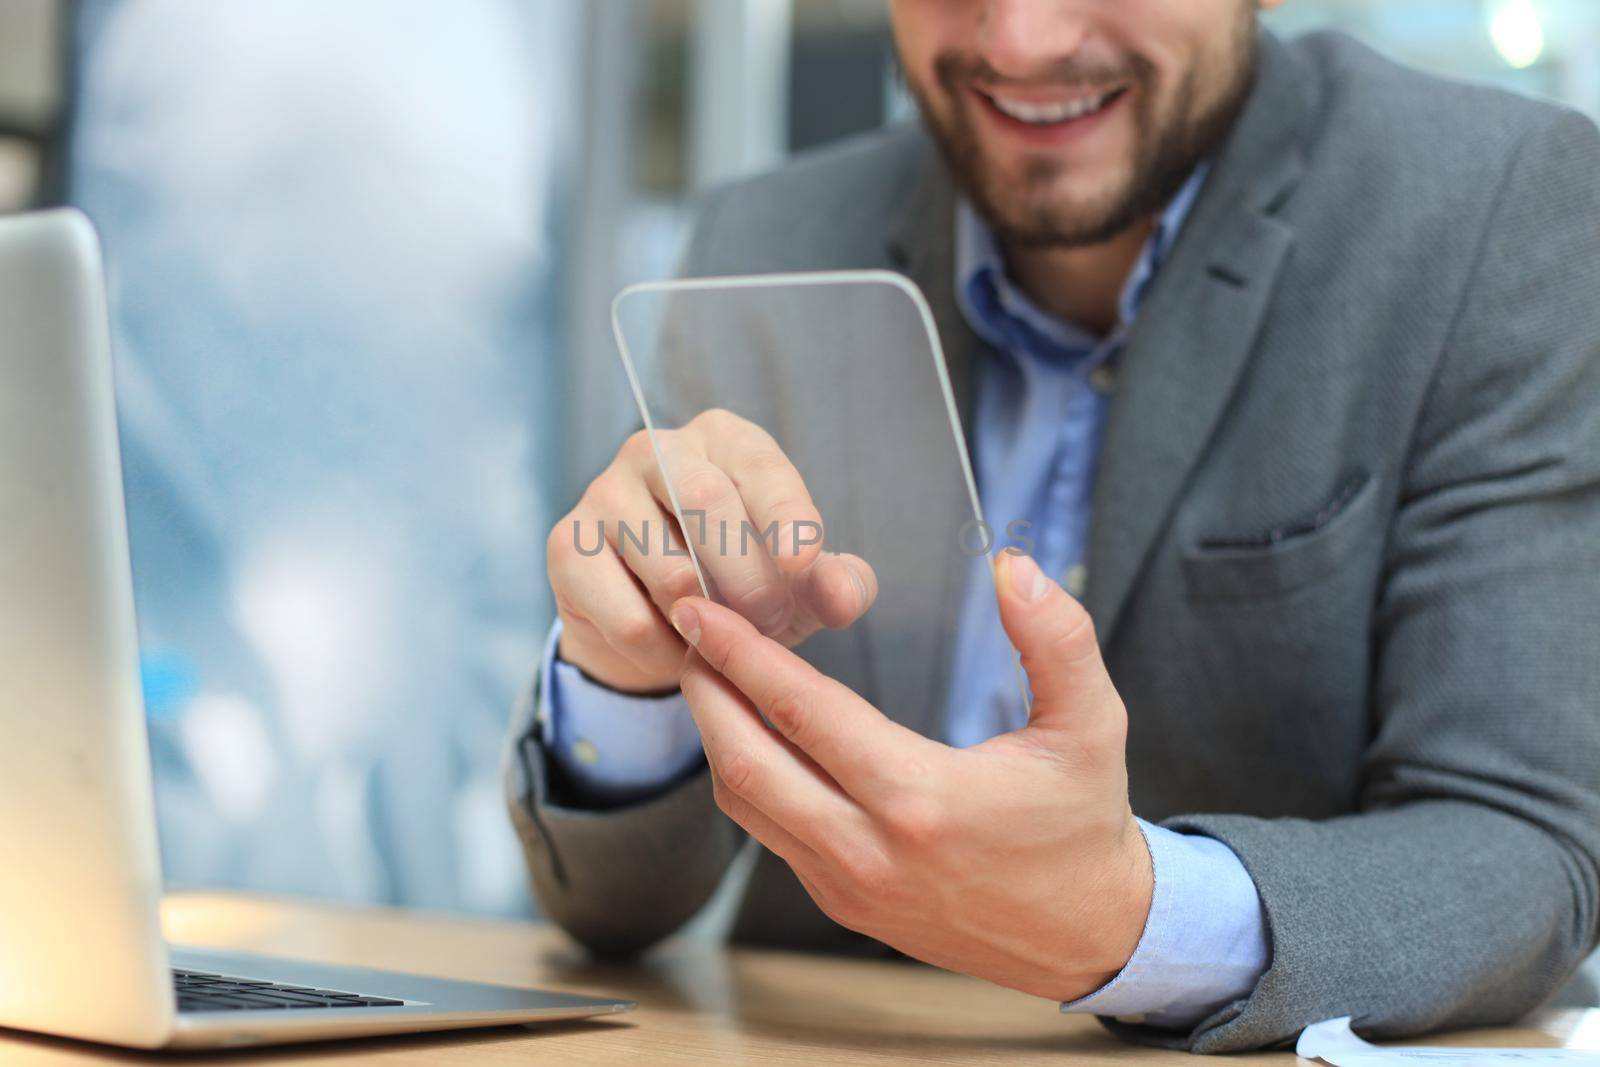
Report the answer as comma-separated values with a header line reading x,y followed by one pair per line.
x,y
1055,133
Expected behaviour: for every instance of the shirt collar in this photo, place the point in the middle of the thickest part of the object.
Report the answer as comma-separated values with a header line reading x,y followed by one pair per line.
x,y
1006,318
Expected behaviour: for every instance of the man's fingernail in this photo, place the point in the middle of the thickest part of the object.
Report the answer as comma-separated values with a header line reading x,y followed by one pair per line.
x,y
1027,580
686,621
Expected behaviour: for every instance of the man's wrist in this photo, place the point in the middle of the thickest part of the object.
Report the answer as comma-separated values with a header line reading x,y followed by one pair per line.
x,y
1129,892
613,747
610,671
640,694
1204,943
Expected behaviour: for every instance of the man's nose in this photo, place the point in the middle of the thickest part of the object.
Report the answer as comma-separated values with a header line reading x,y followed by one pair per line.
x,y
1021,38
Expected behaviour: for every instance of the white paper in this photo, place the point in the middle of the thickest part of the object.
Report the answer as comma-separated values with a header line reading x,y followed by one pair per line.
x,y
1334,1043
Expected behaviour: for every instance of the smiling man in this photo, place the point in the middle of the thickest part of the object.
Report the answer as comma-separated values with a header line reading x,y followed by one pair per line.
x,y
1295,355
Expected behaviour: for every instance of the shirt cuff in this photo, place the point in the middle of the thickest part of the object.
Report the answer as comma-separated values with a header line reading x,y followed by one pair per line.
x,y
614,747
1204,944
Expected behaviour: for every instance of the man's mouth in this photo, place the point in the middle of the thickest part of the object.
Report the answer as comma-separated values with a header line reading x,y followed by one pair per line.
x,y
1056,112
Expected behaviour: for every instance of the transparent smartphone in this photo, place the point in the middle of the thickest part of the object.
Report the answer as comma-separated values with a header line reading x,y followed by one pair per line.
x,y
845,372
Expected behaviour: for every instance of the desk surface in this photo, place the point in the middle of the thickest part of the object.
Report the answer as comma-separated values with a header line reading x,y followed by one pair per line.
x,y
698,1004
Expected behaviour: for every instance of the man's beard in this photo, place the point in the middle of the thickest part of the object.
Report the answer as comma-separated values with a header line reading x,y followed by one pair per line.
x,y
1164,157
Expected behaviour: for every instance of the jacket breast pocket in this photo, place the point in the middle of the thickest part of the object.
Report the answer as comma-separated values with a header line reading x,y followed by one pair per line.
x,y
1275,563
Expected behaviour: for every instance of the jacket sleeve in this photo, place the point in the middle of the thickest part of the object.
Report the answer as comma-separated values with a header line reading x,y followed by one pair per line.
x,y
1465,890
617,879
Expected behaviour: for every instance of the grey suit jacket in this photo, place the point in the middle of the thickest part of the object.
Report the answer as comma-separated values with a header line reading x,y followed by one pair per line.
x,y
1345,553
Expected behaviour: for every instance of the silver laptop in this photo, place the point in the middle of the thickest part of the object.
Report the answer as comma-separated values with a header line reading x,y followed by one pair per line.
x,y
81,951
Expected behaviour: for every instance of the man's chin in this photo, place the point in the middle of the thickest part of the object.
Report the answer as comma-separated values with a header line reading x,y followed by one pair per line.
x,y
1059,223
1056,211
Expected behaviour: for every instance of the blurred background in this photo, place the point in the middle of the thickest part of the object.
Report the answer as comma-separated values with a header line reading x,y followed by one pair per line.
x,y
360,257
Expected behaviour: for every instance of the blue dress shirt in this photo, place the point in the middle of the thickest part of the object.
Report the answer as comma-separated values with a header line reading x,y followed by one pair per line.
x,y
1040,408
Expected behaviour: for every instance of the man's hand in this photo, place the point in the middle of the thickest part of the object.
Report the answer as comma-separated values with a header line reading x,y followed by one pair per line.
x,y
1018,860
612,594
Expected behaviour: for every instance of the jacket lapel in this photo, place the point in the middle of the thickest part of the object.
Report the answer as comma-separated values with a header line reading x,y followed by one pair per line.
x,y
922,246
1194,337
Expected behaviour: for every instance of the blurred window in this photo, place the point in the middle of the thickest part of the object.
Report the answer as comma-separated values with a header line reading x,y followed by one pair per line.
x,y
334,288
1546,48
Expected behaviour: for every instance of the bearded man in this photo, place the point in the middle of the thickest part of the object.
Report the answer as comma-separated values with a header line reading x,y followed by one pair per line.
x,y
1295,354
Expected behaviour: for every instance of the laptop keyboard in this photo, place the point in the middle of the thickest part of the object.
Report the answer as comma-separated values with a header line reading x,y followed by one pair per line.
x,y
203,991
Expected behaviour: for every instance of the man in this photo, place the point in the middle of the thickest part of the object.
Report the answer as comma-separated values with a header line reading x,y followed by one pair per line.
x,y
1324,344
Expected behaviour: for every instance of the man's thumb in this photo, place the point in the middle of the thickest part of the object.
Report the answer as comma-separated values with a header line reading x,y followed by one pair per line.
x,y
1055,637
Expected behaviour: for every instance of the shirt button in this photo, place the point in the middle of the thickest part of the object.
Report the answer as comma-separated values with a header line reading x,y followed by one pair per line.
x,y
1103,379
1076,580
584,750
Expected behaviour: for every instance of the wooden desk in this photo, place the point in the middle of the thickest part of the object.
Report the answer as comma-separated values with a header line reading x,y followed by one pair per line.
x,y
697,1004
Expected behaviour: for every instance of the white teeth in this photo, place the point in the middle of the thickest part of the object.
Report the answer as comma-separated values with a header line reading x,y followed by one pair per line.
x,y
1049,114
